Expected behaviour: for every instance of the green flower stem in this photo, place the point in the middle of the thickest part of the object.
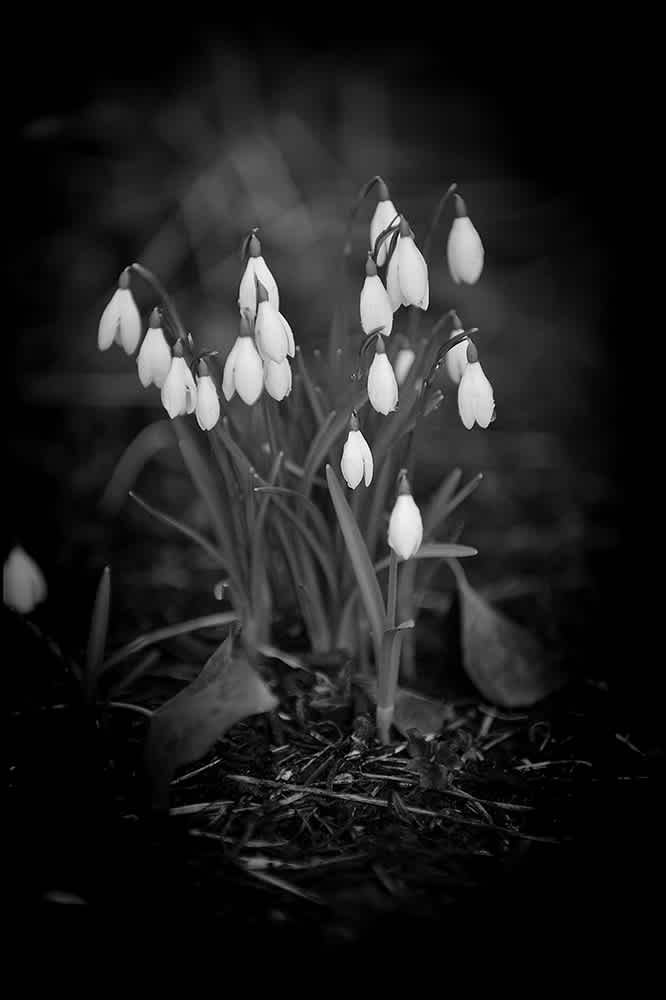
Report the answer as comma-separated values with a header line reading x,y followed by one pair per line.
x,y
167,301
390,662
415,317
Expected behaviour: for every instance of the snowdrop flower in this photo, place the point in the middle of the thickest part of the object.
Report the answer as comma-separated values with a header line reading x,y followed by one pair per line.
x,y
385,213
456,358
382,386
277,379
120,321
356,461
23,583
464,249
207,410
405,532
256,268
376,309
403,364
407,275
243,370
475,393
154,358
272,332
179,393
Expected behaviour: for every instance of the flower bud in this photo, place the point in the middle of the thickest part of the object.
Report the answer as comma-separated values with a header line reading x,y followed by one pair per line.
x,y
382,386
356,461
207,410
154,359
464,249
412,270
475,395
243,371
179,392
403,364
273,334
120,320
277,379
383,216
23,583
405,532
375,307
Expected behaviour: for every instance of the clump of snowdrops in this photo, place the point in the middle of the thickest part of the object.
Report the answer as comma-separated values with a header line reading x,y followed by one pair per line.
x,y
269,438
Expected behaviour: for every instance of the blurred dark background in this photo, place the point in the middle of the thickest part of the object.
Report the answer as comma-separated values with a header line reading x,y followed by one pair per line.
x,y
166,142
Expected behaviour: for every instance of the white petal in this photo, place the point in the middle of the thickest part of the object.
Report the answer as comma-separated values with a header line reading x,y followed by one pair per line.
x,y
456,359
271,334
383,216
173,390
130,321
247,291
291,348
228,375
23,583
208,403
249,371
412,273
466,397
109,322
262,271
405,527
485,403
382,386
154,358
368,463
375,307
393,281
464,251
277,379
403,364
352,460
190,390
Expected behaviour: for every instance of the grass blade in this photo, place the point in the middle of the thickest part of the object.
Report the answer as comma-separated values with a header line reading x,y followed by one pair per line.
x,y
183,528
99,627
168,632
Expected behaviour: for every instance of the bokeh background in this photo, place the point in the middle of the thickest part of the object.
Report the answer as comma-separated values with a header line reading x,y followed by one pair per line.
x,y
166,144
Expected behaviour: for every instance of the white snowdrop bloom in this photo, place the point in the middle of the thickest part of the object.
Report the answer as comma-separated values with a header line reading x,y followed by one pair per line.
x,y
179,391
243,371
382,386
271,330
120,320
23,583
405,531
277,379
154,359
384,214
464,249
256,268
375,306
475,393
356,461
403,364
412,270
207,410
456,358
392,280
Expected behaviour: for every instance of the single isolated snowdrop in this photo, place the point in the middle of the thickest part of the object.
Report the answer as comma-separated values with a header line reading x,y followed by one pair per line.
x,y
23,583
464,249
179,392
405,532
407,273
356,461
207,410
271,331
256,269
120,320
154,359
475,393
385,213
382,386
403,364
277,379
243,369
375,307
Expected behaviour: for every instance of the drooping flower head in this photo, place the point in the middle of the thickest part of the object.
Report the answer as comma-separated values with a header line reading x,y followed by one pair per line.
x,y
407,273
23,583
375,306
277,379
464,249
120,321
405,532
384,214
273,334
356,461
208,402
243,369
179,392
476,403
154,359
256,269
382,386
